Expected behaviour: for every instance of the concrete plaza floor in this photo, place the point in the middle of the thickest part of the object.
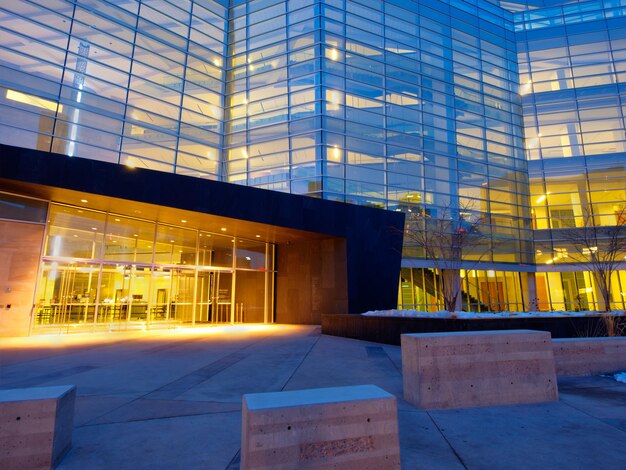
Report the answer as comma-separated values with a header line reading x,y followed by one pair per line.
x,y
172,400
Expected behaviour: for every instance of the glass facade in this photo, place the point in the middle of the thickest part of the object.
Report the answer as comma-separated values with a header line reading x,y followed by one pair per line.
x,y
112,271
572,60
137,83
512,112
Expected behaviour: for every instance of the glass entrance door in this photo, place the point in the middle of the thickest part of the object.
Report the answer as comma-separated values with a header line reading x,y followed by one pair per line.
x,y
213,296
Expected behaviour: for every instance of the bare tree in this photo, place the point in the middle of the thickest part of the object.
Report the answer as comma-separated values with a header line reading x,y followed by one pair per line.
x,y
602,248
448,239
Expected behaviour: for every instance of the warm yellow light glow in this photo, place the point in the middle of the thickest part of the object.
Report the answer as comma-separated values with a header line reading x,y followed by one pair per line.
x,y
336,153
334,54
33,100
543,197
84,200
217,62
223,229
78,335
334,100
550,261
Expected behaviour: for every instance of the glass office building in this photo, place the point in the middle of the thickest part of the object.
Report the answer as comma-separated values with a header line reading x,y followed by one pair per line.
x,y
572,62
507,111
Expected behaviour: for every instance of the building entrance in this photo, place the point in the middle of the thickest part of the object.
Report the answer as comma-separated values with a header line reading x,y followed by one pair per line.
x,y
143,274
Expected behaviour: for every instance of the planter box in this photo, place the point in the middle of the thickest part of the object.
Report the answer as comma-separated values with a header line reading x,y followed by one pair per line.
x,y
388,329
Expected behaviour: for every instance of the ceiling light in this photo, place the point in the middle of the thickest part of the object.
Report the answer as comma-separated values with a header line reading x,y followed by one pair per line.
x,y
84,200
183,221
223,229
258,236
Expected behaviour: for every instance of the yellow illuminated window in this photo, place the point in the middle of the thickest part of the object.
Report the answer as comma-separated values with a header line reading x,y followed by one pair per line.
x,y
33,100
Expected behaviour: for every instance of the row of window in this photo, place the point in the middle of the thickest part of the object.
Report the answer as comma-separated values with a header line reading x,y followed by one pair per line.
x,y
580,12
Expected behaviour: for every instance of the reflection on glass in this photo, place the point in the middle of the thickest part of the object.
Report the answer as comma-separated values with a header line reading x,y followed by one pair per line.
x,y
175,245
74,232
250,254
129,240
215,250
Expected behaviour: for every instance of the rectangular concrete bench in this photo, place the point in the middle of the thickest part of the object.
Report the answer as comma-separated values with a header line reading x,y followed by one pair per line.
x,y
478,368
35,426
587,356
343,427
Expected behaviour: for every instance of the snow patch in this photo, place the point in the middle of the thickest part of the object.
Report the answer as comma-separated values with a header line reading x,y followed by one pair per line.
x,y
620,377
470,315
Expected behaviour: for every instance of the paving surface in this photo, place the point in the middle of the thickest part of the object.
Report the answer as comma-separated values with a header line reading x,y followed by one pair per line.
x,y
172,400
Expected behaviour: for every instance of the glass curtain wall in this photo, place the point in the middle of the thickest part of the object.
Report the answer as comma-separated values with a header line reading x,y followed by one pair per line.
x,y
106,270
136,83
573,84
272,96
481,291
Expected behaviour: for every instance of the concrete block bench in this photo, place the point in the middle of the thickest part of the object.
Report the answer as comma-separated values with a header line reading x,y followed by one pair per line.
x,y
35,426
587,356
342,428
478,368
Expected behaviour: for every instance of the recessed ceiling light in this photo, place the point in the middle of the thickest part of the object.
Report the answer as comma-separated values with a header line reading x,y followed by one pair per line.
x,y
223,229
183,221
258,236
171,241
84,200
75,236
117,220
94,228
135,234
